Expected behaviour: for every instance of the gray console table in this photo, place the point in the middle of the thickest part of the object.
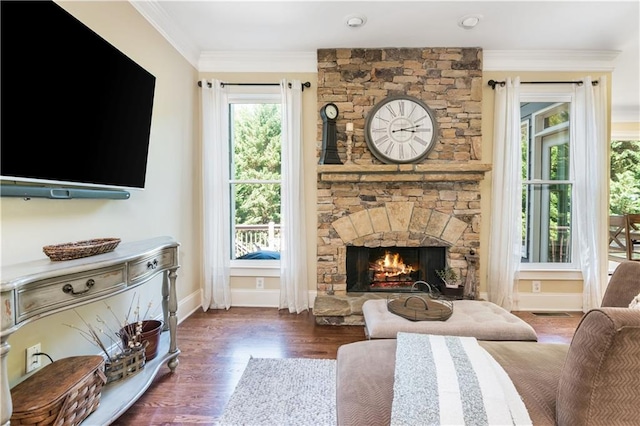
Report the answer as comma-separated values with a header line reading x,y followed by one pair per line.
x,y
33,290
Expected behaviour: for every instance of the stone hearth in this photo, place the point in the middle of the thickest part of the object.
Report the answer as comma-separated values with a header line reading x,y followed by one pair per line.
x,y
343,309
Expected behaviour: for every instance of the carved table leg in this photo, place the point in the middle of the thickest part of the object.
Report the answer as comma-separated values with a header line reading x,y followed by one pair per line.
x,y
165,301
173,319
6,407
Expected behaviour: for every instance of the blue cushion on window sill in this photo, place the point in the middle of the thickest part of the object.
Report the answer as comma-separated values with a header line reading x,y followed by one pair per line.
x,y
262,254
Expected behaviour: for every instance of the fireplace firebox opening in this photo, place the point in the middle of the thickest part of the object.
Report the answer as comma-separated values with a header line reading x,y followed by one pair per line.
x,y
393,268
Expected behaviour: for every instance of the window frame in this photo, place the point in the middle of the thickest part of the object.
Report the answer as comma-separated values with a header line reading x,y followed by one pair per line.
x,y
249,95
554,94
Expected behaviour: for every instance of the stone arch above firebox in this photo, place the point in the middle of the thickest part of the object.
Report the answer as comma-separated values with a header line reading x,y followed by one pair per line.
x,y
396,220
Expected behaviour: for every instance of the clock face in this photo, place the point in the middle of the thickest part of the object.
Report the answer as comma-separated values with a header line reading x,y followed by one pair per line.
x,y
331,111
400,129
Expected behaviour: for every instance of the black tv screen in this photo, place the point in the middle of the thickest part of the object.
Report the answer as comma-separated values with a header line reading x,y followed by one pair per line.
x,y
75,110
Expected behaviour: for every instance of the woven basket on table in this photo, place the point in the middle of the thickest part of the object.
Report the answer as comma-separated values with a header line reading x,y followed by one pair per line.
x,y
62,393
126,364
68,251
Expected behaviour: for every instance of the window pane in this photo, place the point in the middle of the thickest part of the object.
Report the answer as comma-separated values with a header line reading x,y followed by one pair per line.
x,y
524,149
256,219
255,166
558,116
559,162
546,207
548,229
555,156
256,141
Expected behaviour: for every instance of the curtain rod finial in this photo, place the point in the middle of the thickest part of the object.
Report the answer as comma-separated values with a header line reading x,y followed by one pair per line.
x,y
494,83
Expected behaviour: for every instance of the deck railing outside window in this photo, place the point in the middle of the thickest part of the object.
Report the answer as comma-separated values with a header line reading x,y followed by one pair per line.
x,y
252,238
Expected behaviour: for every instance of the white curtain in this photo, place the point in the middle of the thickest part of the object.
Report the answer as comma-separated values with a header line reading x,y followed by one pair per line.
x,y
505,238
293,253
589,194
216,239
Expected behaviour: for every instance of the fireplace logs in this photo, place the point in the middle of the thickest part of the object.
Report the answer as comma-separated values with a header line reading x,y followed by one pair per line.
x,y
392,268
390,271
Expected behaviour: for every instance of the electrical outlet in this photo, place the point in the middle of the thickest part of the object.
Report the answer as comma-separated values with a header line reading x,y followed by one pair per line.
x,y
32,361
535,286
260,283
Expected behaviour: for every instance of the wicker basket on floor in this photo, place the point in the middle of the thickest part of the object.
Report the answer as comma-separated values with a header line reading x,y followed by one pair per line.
x,y
69,251
62,393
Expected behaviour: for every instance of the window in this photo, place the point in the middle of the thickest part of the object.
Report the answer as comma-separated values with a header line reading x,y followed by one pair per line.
x,y
547,182
255,177
625,177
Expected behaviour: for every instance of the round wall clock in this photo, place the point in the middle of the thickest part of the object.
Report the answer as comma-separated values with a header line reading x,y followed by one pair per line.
x,y
400,129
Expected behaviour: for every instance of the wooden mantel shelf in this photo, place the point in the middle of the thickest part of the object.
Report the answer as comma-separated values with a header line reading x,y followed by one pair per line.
x,y
428,172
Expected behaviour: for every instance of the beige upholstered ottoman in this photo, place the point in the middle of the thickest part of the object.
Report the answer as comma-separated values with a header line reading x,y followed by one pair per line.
x,y
480,319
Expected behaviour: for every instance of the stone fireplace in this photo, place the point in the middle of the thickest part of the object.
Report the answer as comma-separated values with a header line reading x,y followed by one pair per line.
x,y
382,206
434,204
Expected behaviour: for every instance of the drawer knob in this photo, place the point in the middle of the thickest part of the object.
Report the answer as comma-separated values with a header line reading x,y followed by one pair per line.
x,y
152,265
68,288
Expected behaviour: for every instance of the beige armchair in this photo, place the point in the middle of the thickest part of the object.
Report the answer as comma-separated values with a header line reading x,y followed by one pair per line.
x,y
623,286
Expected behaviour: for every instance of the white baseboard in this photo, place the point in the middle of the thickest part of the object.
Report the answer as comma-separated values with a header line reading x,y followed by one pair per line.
x,y
239,297
189,305
551,302
261,298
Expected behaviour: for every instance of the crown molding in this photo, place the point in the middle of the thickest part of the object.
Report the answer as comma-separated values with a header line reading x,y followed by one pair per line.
x,y
549,60
159,19
630,114
258,61
625,135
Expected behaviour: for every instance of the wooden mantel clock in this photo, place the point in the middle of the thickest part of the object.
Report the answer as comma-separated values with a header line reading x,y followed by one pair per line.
x,y
329,154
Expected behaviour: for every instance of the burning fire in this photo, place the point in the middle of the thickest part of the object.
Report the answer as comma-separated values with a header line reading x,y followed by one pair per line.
x,y
391,265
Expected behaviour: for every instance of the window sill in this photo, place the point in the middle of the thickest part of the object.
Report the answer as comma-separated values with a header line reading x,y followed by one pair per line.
x,y
255,268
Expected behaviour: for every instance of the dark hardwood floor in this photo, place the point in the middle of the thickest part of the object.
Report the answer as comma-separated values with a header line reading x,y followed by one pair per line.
x,y
216,346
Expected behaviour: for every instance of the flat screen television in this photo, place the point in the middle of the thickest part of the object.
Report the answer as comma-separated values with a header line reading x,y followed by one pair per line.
x,y
75,110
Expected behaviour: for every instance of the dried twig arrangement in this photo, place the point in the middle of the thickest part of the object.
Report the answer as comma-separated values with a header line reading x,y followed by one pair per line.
x,y
125,336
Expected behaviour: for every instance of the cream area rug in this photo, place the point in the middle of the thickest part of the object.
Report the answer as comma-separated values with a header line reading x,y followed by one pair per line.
x,y
289,391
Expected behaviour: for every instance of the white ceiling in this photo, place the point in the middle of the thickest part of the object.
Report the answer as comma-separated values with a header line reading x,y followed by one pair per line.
x,y
553,35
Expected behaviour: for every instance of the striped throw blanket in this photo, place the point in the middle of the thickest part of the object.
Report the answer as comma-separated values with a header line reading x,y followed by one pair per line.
x,y
450,380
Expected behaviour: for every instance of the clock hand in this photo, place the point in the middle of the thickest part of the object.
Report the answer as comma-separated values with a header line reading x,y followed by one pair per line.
x,y
407,129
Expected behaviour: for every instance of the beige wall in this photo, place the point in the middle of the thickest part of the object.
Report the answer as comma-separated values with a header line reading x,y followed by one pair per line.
x,y
168,205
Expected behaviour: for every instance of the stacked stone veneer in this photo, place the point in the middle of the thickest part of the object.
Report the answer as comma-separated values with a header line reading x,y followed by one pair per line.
x,y
434,203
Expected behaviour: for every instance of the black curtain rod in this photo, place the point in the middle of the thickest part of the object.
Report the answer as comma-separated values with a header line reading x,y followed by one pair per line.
x,y
494,83
305,84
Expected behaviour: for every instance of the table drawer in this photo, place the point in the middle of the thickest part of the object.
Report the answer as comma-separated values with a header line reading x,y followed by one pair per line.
x,y
153,264
47,295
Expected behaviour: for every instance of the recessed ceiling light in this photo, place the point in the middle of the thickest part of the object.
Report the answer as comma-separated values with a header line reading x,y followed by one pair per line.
x,y
355,21
469,21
